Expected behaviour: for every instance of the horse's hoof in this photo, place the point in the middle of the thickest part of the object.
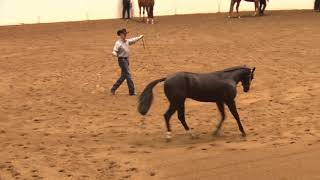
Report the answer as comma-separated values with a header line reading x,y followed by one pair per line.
x,y
192,136
168,136
229,16
195,137
239,17
215,133
243,134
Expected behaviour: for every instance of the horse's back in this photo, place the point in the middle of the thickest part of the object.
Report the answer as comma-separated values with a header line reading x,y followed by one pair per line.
x,y
142,3
175,79
193,79
146,3
202,87
175,85
149,2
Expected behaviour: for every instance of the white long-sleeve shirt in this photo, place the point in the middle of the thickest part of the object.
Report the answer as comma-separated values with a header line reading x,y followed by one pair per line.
x,y
121,48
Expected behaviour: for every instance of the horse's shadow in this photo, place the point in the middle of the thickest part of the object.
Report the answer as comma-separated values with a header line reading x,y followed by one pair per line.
x,y
138,20
184,140
249,16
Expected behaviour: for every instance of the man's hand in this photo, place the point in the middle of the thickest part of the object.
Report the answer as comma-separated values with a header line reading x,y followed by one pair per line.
x,y
114,54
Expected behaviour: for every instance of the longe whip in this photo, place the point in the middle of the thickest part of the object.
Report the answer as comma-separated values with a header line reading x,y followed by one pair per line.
x,y
144,47
149,53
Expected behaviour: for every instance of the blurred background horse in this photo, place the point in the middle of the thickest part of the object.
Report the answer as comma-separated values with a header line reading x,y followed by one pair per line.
x,y
146,5
233,2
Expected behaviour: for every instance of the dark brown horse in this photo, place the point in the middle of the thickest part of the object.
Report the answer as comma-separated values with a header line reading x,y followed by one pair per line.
x,y
219,87
147,5
233,2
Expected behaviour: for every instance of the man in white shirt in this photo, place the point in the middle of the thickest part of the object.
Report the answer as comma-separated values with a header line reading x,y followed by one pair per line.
x,y
121,50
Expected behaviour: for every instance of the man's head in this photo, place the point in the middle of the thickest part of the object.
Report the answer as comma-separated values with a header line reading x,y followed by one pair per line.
x,y
122,33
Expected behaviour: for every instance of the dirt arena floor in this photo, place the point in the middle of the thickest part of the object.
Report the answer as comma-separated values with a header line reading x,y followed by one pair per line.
x,y
58,120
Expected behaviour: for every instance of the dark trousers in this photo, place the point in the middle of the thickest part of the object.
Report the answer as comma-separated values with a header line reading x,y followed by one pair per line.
x,y
125,75
262,7
126,9
317,5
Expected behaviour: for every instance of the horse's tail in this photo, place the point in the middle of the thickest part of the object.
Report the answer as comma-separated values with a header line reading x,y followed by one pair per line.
x,y
146,97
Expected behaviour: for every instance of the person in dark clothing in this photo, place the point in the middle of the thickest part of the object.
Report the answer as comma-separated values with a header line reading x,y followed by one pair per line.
x,y
262,7
126,9
317,5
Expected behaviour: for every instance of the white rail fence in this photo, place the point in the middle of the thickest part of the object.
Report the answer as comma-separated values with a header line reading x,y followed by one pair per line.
x,y
45,11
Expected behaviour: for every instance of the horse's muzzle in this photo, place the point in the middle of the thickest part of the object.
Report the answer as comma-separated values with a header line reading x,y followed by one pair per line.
x,y
246,89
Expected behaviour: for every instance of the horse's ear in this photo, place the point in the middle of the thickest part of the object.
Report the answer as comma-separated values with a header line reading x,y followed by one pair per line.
x,y
252,72
253,69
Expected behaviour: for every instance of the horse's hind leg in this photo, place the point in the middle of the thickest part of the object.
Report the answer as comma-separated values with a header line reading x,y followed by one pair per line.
x,y
238,4
171,110
220,106
233,110
256,8
231,7
144,9
181,117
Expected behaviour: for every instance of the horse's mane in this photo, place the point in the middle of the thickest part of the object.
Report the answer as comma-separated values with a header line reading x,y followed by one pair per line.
x,y
235,68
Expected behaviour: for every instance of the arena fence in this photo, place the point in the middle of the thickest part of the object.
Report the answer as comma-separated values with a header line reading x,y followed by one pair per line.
x,y
45,11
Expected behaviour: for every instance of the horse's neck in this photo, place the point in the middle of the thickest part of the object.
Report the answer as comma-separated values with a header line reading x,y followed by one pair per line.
x,y
236,75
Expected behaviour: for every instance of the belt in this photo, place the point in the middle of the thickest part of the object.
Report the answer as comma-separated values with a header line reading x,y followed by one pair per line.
x,y
122,57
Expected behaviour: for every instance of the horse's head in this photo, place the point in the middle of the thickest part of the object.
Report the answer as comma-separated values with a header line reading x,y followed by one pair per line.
x,y
247,78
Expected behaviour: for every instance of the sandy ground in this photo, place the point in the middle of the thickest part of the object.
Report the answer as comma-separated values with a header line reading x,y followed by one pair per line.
x,y
58,120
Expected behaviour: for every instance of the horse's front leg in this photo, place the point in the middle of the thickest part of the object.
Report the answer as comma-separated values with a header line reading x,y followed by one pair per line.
x,y
147,9
151,14
220,106
233,110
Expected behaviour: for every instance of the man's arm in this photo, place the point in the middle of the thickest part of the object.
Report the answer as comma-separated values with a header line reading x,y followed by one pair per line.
x,y
116,49
134,40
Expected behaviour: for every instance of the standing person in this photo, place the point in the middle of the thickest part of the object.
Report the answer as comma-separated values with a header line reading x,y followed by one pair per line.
x,y
262,7
121,50
317,5
132,9
126,9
